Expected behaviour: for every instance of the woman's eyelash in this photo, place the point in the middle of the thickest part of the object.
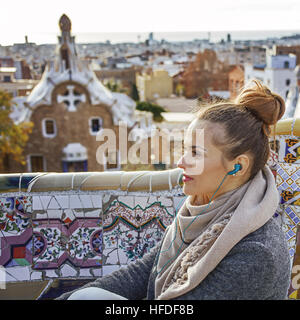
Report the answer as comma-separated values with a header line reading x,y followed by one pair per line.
x,y
197,153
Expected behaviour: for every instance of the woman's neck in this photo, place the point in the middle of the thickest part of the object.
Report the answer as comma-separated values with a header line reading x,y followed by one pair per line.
x,y
204,198
201,199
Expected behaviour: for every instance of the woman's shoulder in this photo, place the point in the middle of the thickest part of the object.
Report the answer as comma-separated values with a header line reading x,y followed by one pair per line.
x,y
268,234
268,240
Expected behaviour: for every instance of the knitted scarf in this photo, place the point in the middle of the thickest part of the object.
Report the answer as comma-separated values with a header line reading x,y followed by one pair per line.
x,y
197,241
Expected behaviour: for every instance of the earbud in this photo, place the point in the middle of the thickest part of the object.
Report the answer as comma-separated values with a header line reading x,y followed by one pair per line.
x,y
237,167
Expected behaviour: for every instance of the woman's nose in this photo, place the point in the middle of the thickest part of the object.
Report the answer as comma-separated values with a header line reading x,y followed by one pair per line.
x,y
181,163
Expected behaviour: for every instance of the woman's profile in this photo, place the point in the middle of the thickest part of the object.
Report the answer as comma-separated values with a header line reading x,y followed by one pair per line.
x,y
224,242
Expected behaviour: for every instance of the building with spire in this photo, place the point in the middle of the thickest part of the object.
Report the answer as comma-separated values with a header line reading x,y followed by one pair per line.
x,y
68,107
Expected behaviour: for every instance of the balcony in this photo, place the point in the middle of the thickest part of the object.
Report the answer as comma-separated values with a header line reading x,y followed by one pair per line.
x,y
59,231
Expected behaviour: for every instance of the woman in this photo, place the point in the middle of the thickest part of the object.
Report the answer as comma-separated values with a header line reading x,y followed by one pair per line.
x,y
224,242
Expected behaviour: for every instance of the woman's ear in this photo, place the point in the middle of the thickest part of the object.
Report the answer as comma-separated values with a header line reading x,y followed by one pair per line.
x,y
244,161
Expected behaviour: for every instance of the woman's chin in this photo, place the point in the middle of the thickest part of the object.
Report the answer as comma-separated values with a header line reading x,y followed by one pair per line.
x,y
188,190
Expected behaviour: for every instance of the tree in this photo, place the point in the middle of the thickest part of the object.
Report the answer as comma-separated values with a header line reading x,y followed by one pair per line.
x,y
13,137
134,92
115,87
151,107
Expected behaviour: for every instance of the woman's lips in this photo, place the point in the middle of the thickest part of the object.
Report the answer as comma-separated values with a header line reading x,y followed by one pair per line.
x,y
186,178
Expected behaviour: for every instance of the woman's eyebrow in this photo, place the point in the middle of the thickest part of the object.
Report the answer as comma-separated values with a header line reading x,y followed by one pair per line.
x,y
195,147
186,144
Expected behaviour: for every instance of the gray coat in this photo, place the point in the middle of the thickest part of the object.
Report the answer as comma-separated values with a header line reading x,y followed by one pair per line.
x,y
256,268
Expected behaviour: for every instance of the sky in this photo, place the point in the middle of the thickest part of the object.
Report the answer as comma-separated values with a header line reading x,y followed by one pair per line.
x,y
38,19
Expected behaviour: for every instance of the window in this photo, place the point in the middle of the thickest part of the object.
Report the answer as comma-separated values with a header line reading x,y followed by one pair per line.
x,y
49,128
287,82
6,79
286,64
95,125
75,166
36,163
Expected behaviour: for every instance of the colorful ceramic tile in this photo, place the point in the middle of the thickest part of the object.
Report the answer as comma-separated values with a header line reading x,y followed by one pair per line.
x,y
130,232
290,235
48,247
23,204
289,150
79,242
288,183
15,231
291,215
288,177
273,159
16,250
85,243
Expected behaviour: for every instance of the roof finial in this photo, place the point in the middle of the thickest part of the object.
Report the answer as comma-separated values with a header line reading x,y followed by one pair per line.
x,y
65,23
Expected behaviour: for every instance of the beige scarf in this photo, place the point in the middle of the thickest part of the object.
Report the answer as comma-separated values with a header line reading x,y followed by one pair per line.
x,y
182,266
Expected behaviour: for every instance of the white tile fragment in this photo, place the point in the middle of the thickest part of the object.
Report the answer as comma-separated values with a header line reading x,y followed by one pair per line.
x,y
17,273
68,271
75,202
109,269
97,200
86,201
63,201
36,203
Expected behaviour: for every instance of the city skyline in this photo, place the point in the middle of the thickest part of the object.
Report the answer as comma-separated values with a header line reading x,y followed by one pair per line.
x,y
40,22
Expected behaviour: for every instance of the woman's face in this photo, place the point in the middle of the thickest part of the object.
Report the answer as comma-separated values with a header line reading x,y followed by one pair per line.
x,y
202,162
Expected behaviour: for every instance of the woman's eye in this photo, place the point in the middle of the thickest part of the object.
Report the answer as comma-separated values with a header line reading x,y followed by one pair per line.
x,y
197,153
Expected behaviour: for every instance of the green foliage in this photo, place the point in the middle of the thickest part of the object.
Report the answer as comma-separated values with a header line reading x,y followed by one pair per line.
x,y
151,107
13,137
114,87
134,93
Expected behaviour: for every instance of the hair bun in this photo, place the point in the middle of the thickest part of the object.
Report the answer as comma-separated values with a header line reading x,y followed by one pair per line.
x,y
267,106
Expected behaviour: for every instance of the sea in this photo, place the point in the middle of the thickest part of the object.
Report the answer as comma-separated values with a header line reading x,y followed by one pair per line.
x,y
136,37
